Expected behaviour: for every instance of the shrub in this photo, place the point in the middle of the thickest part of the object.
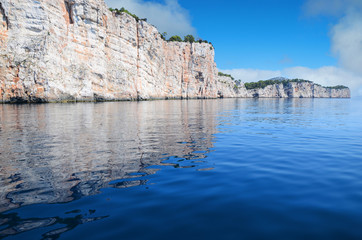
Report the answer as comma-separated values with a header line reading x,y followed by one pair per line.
x,y
264,83
338,87
175,39
202,41
119,11
189,38
163,35
225,75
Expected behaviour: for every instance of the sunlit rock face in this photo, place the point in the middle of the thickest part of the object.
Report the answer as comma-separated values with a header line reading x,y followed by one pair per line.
x,y
79,50
74,50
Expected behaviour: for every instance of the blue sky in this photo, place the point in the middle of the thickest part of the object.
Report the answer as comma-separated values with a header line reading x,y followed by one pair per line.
x,y
262,33
259,39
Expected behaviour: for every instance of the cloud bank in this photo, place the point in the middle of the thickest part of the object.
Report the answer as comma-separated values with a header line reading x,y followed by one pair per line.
x,y
346,45
167,16
346,39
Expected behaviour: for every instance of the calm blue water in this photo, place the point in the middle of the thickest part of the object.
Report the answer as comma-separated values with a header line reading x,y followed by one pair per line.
x,y
197,169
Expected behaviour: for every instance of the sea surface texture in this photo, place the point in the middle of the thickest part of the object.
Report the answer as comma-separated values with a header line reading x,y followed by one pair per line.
x,y
196,169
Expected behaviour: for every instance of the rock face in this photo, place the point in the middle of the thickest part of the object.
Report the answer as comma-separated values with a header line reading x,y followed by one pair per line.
x,y
228,88
78,50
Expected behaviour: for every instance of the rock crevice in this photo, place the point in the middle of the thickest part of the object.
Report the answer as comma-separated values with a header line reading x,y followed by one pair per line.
x,y
4,18
68,7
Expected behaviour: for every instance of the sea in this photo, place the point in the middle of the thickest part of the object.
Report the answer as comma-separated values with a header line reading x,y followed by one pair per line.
x,y
182,169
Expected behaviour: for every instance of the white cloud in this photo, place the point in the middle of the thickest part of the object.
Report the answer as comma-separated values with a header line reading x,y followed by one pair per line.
x,y
346,39
331,7
346,35
326,76
168,16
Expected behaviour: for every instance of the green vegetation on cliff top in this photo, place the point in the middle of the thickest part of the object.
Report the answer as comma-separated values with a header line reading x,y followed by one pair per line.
x,y
188,38
265,83
285,82
175,39
337,87
123,10
225,75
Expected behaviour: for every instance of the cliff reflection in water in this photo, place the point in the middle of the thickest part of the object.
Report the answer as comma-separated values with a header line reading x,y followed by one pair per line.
x,y
61,152
279,167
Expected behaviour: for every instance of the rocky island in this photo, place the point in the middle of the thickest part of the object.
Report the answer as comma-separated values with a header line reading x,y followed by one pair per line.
x,y
73,50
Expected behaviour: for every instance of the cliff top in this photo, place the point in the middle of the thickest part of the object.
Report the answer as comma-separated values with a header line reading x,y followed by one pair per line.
x,y
276,80
188,38
285,82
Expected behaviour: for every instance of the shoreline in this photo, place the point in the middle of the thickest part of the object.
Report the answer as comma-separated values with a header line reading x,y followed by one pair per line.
x,y
155,99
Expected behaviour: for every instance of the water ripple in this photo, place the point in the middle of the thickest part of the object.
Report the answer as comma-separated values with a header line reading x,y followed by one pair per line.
x,y
215,169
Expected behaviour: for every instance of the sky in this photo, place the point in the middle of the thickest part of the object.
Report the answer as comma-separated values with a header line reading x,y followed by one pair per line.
x,y
318,40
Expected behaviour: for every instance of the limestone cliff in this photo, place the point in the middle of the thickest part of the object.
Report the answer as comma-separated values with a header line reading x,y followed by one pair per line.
x,y
229,88
79,50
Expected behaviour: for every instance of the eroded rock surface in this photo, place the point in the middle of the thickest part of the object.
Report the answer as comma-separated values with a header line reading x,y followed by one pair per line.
x,y
78,50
